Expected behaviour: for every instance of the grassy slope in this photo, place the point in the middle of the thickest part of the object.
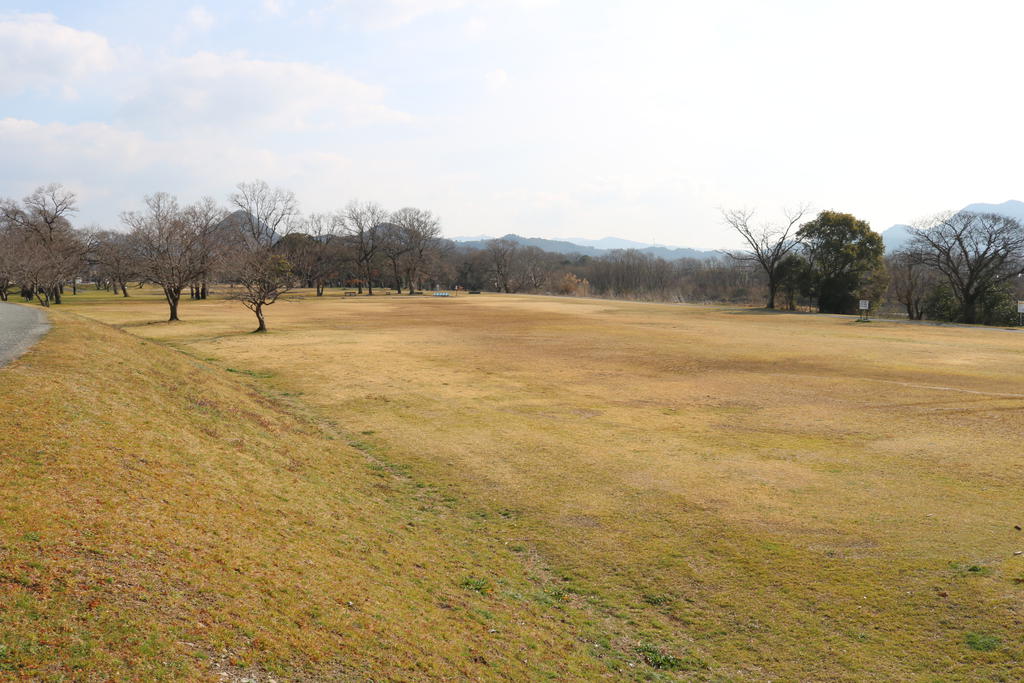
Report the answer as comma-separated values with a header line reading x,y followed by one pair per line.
x,y
161,518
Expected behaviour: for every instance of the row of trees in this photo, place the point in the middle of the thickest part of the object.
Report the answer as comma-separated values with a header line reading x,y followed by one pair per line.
x,y
259,245
39,249
506,266
959,266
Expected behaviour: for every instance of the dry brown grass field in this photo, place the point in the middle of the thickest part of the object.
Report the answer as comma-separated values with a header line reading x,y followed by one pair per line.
x,y
510,487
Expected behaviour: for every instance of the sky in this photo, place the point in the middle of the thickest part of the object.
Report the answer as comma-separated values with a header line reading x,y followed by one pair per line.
x,y
638,119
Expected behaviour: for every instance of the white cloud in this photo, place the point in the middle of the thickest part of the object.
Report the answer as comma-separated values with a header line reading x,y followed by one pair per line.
x,y
273,7
392,14
475,28
201,18
209,90
399,12
111,168
496,80
36,51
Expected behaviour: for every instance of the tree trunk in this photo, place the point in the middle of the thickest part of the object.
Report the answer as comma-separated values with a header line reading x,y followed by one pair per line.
x,y
124,289
74,287
259,316
56,296
319,288
398,277
173,296
773,286
970,310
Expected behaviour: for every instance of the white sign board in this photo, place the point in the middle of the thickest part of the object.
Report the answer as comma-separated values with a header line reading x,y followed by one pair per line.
x,y
865,304
1020,306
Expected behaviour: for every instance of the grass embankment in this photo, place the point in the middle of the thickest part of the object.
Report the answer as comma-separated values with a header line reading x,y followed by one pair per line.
x,y
163,518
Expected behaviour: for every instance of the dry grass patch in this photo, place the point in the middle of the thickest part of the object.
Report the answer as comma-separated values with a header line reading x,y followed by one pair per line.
x,y
161,518
720,493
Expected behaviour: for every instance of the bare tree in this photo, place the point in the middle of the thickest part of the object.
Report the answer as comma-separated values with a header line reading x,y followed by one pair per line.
x,y
207,219
419,233
50,252
532,267
8,262
363,221
312,250
910,281
170,245
394,247
500,253
114,258
265,215
973,251
769,243
264,276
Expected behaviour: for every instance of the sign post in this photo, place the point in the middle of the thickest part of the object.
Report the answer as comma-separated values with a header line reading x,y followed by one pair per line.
x,y
1020,312
865,306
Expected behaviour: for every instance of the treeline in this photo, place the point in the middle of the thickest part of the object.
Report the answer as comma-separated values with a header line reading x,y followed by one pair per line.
x,y
506,266
962,266
959,266
260,246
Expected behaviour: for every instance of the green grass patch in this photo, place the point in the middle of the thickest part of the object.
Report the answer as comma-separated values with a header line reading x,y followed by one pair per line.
x,y
477,584
658,659
982,642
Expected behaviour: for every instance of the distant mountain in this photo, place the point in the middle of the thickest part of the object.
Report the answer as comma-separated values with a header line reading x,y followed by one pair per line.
x,y
554,246
899,236
566,247
610,243
676,253
896,237
241,223
1011,209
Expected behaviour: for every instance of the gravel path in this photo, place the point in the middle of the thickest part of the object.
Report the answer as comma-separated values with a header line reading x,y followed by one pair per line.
x,y
20,328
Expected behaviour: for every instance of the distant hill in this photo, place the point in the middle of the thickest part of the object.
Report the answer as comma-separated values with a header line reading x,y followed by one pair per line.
x,y
1011,209
608,244
238,223
898,236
